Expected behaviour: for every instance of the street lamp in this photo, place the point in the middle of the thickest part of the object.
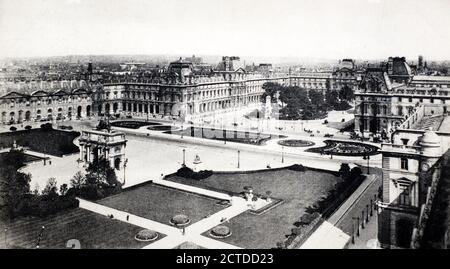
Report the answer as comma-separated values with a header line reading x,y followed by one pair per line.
x,y
184,157
371,207
367,213
6,231
362,219
282,154
239,157
40,236
182,131
357,225
368,159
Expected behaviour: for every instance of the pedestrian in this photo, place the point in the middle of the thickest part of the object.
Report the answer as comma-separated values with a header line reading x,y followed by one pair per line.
x,y
128,217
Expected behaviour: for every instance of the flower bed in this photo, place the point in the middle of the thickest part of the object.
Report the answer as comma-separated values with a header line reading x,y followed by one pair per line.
x,y
180,220
344,148
146,236
296,143
133,124
220,231
161,128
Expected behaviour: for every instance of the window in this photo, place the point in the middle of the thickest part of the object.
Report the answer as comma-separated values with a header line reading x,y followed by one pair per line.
x,y
404,197
404,164
405,141
410,99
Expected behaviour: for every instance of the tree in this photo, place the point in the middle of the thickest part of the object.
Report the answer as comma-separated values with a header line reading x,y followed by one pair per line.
x,y
78,180
270,89
346,93
63,189
51,188
100,172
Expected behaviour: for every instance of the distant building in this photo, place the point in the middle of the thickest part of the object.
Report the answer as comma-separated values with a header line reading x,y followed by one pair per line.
x,y
387,94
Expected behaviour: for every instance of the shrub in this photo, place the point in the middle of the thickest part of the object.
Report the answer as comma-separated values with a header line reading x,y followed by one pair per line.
x,y
28,127
187,172
325,122
297,167
47,127
13,129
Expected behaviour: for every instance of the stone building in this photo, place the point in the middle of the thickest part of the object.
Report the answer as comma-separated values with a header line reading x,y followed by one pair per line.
x,y
411,172
45,101
110,145
388,94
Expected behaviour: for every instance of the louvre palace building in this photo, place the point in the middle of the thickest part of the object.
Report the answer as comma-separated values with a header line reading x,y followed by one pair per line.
x,y
183,90
389,93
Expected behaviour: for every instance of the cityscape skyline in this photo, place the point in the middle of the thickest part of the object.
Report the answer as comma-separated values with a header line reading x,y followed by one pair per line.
x,y
368,30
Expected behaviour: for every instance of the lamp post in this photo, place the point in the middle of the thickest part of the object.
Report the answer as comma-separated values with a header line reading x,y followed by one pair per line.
x,y
40,237
367,213
282,154
184,157
368,169
362,219
182,130
371,207
6,231
357,225
239,157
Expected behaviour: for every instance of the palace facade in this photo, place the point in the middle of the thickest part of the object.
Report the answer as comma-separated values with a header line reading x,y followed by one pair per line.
x,y
389,93
45,101
179,91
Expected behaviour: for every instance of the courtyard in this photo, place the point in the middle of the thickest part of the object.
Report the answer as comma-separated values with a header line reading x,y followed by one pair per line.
x,y
160,203
90,229
297,190
52,142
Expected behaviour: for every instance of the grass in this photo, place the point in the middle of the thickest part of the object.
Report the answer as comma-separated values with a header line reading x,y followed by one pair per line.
x,y
92,230
161,204
132,124
227,135
28,158
52,142
298,190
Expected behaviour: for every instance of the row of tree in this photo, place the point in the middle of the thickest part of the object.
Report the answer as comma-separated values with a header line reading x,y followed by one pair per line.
x,y
17,200
298,103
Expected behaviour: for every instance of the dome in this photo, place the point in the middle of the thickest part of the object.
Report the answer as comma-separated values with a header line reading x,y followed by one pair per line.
x,y
430,139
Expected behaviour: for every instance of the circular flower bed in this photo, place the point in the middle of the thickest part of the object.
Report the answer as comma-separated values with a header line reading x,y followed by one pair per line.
x,y
188,245
296,143
220,231
146,235
161,128
344,148
180,220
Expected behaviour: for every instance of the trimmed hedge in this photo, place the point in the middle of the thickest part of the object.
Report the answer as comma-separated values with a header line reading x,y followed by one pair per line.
x,y
187,172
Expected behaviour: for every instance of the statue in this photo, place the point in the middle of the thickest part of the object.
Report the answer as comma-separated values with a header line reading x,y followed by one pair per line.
x,y
197,160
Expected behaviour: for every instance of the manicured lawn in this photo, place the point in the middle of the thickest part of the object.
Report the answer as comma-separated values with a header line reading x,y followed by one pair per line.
x,y
28,158
161,203
52,142
297,189
91,229
133,124
228,135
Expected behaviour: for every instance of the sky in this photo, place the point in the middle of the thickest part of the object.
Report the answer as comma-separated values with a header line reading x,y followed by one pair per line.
x,y
325,29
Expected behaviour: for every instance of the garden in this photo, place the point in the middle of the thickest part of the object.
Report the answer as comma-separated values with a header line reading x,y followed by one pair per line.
x,y
43,140
226,135
296,143
133,124
344,148
92,230
163,204
299,190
